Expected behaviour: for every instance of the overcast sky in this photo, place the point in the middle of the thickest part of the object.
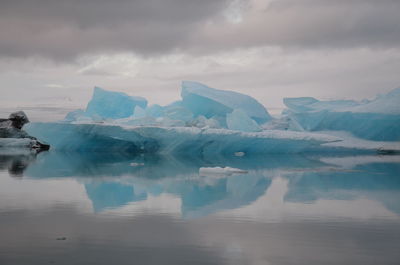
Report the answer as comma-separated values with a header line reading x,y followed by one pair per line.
x,y
55,52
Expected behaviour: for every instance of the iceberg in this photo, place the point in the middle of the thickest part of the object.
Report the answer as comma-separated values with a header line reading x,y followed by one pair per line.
x,y
179,113
209,102
155,111
74,115
114,105
377,120
139,112
305,104
239,121
210,122
190,141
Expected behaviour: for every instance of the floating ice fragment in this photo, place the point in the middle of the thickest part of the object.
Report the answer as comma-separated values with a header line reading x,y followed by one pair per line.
x,y
221,171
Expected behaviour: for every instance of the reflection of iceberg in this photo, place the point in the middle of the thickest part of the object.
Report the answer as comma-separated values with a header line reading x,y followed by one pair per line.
x,y
113,180
377,180
227,193
111,194
97,165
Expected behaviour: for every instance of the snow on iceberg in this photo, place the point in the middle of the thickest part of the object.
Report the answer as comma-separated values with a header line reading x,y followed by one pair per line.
x,y
209,102
377,120
115,105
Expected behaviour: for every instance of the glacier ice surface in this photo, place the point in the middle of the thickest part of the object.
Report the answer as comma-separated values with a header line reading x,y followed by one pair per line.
x,y
155,111
115,105
139,112
209,102
305,104
238,120
377,120
209,120
189,140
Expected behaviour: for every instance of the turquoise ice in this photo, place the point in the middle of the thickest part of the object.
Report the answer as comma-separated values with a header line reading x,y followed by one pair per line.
x,y
209,102
113,105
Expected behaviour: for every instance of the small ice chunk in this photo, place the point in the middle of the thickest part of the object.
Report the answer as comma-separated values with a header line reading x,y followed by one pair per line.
x,y
238,120
239,154
136,164
114,105
204,171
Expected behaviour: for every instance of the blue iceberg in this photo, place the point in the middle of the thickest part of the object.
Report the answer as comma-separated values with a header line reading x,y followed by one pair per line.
x,y
209,102
192,141
239,121
377,120
114,105
306,104
209,122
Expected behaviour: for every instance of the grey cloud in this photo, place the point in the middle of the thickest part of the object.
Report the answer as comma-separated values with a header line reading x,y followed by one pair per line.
x,y
65,29
311,24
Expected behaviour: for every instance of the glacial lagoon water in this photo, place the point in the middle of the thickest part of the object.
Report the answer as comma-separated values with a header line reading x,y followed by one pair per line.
x,y
102,208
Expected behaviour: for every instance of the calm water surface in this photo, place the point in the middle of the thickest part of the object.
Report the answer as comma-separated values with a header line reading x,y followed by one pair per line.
x,y
58,208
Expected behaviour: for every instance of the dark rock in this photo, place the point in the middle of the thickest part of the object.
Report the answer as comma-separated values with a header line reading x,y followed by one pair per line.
x,y
12,128
18,119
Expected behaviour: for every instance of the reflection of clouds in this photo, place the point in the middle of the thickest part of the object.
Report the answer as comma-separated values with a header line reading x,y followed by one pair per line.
x,y
95,239
272,207
148,217
39,195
